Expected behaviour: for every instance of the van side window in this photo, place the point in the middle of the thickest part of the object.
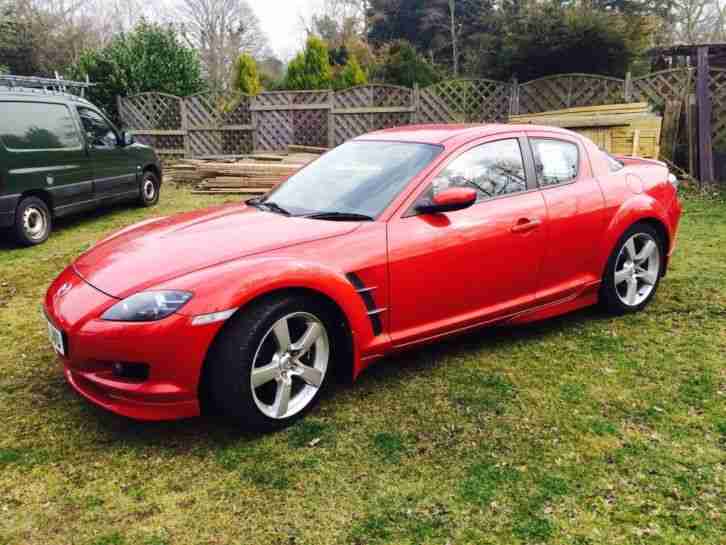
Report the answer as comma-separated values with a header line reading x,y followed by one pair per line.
x,y
98,131
555,161
34,126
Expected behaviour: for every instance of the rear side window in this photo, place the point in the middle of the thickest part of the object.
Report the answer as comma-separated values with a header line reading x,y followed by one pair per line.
x,y
33,126
555,161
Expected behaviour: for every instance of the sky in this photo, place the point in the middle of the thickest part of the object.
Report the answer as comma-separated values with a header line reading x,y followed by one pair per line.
x,y
280,20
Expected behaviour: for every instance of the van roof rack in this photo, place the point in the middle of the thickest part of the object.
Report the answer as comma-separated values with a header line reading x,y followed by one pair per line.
x,y
38,84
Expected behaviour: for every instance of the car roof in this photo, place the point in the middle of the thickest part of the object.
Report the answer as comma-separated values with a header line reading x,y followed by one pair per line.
x,y
40,95
441,133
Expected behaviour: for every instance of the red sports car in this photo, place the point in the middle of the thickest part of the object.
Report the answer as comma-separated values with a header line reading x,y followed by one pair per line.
x,y
394,239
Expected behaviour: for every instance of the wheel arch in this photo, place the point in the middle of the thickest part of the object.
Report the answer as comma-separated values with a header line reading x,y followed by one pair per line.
x,y
640,209
152,167
41,194
345,370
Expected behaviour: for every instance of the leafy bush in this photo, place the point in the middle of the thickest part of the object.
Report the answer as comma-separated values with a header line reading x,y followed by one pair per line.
x,y
310,69
149,58
402,65
245,78
351,75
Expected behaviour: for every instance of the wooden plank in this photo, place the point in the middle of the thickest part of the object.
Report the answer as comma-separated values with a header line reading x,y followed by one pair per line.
x,y
703,97
155,132
636,143
375,110
692,128
669,134
286,107
297,148
584,121
632,107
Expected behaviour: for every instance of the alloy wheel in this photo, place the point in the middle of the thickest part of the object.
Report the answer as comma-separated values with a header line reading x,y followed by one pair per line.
x,y
290,364
149,189
637,269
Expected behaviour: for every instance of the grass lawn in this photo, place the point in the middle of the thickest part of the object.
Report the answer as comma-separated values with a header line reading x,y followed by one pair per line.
x,y
581,430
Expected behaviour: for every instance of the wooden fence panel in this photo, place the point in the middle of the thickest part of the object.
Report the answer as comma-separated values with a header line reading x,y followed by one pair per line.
x,y
567,91
366,108
155,119
717,86
465,101
659,87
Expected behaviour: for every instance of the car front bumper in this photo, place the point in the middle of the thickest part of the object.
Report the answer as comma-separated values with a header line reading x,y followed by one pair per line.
x,y
172,349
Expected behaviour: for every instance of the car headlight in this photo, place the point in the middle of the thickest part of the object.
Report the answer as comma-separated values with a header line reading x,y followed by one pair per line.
x,y
147,306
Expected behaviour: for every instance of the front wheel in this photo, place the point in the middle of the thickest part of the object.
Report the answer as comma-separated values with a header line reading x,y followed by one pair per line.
x,y
33,222
150,188
272,362
633,271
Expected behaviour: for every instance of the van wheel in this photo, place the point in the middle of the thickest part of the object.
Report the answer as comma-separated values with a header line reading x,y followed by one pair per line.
x,y
33,222
149,189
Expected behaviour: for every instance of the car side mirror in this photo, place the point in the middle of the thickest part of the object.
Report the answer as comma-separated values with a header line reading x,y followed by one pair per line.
x,y
448,200
127,138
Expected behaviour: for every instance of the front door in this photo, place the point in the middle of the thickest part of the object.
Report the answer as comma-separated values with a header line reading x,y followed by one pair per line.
x,y
115,173
457,269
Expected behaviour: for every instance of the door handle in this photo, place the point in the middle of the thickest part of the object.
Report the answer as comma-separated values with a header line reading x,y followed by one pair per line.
x,y
526,224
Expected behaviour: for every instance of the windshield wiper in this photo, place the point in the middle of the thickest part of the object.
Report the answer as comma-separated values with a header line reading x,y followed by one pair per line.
x,y
339,216
257,202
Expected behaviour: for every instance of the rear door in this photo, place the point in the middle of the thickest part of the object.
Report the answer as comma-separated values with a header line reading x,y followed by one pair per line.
x,y
461,268
44,150
575,215
115,175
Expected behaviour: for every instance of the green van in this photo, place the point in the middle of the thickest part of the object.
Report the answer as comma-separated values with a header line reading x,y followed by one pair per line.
x,y
60,155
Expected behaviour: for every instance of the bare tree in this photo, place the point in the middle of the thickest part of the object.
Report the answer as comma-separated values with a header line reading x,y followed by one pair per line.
x,y
442,16
337,21
700,21
221,30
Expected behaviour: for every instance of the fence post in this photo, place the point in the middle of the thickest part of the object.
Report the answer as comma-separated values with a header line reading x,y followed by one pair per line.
x,y
416,103
628,87
253,121
185,127
331,119
703,96
514,97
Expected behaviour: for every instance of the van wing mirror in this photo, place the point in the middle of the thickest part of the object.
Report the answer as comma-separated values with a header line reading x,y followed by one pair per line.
x,y
127,138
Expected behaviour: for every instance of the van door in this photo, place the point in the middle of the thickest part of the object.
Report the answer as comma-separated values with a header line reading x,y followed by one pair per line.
x,y
115,171
44,151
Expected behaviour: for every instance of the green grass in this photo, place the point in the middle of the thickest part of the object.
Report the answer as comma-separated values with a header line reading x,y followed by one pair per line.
x,y
584,429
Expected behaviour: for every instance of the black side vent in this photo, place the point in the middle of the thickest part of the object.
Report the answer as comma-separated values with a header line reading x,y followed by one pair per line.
x,y
366,293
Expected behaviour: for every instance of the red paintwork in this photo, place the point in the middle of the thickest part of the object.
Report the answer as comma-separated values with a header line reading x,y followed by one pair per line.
x,y
513,259
459,196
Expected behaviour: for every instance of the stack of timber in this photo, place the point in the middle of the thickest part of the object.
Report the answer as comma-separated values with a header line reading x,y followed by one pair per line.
x,y
621,129
254,174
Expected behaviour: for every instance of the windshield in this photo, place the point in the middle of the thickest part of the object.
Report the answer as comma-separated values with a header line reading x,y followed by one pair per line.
x,y
356,178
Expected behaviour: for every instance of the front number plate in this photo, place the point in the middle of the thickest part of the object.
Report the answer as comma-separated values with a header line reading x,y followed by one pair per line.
x,y
56,339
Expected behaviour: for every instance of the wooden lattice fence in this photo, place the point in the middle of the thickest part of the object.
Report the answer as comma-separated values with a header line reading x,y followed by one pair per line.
x,y
568,91
465,101
206,124
717,86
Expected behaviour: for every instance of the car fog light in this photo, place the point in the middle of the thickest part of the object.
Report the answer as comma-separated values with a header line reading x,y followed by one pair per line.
x,y
127,370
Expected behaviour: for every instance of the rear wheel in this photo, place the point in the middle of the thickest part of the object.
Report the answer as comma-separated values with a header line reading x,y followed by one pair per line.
x,y
272,362
633,271
33,222
149,189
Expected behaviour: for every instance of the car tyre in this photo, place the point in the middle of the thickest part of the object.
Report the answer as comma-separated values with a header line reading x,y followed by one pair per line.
x,y
272,362
33,222
150,188
633,270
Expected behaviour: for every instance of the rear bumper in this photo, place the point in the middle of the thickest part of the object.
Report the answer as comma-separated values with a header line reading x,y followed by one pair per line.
x,y
172,348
